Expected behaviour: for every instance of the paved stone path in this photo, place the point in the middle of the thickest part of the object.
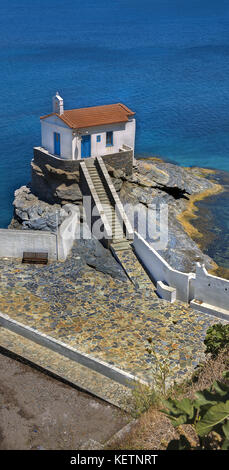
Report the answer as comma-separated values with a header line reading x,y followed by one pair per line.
x,y
134,270
105,317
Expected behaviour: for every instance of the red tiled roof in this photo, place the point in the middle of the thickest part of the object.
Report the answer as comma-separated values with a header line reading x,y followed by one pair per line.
x,y
94,116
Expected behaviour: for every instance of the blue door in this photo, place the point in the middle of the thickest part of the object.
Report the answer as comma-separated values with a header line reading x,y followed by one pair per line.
x,y
56,143
86,146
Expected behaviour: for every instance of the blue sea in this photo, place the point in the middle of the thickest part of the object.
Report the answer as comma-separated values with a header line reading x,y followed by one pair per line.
x,y
168,60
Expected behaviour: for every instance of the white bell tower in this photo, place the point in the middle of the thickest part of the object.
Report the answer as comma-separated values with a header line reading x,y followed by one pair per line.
x,y
57,104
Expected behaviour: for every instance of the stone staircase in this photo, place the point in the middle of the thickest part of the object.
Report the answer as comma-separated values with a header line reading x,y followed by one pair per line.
x,y
119,240
101,184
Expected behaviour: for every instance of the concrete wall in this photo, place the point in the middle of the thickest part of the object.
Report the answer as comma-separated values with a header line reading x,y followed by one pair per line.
x,y
210,289
42,156
70,141
166,292
14,242
72,353
200,286
160,270
120,160
68,231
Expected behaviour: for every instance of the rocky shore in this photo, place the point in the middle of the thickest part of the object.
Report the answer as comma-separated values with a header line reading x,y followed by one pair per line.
x,y
153,182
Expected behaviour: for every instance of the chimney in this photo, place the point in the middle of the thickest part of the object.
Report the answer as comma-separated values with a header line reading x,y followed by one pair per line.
x,y
57,104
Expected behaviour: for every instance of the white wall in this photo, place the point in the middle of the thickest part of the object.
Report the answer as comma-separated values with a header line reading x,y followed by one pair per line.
x,y
14,242
210,289
129,136
68,231
200,286
48,127
123,134
160,270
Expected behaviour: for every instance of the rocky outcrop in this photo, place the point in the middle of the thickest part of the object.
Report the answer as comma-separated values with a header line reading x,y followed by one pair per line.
x,y
93,254
55,185
32,213
156,182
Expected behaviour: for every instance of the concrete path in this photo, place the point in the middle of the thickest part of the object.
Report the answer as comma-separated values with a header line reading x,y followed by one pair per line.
x,y
39,412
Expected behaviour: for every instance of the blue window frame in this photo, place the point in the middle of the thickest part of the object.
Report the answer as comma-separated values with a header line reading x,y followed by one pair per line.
x,y
109,139
98,138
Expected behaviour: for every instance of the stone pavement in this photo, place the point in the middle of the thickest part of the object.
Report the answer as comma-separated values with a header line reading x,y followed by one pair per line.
x,y
134,269
105,317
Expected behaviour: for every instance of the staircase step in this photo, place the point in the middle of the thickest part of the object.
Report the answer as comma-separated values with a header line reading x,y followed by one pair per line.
x,y
120,245
117,236
118,231
106,203
122,248
116,224
64,368
109,214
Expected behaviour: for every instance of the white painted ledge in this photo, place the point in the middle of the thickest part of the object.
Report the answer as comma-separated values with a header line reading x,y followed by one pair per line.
x,y
210,309
166,292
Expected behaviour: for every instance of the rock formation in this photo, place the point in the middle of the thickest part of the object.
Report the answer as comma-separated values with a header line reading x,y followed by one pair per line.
x,y
55,185
40,205
32,213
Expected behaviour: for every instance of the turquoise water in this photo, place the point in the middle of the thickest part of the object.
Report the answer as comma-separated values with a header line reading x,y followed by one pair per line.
x,y
213,222
166,59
